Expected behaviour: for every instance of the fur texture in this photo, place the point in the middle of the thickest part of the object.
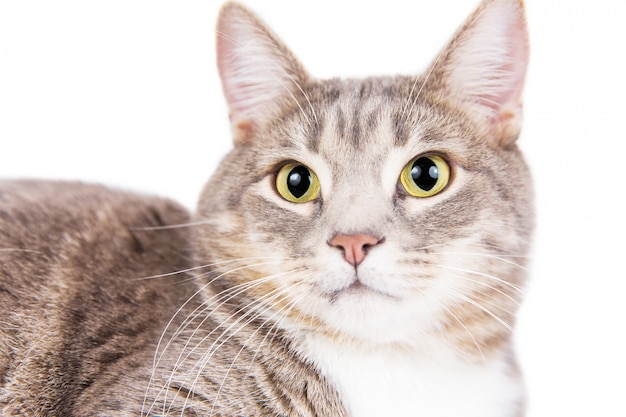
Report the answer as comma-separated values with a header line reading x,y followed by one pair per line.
x,y
362,300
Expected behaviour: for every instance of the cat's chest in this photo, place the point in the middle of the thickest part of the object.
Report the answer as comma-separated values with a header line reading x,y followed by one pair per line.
x,y
397,384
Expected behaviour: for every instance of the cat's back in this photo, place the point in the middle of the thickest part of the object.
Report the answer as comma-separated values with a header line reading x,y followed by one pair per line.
x,y
81,291
35,215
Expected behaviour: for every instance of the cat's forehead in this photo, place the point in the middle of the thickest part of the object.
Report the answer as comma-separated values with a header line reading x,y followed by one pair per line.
x,y
364,121
358,119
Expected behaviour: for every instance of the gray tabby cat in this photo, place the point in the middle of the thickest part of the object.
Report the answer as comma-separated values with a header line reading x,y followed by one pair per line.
x,y
360,252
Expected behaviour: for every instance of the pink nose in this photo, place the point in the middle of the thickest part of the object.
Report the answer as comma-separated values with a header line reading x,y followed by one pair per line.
x,y
354,246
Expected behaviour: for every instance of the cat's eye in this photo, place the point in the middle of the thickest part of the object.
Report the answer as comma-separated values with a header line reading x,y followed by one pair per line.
x,y
297,183
425,176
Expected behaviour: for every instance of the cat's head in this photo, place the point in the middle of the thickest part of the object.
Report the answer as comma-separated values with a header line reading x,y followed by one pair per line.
x,y
382,210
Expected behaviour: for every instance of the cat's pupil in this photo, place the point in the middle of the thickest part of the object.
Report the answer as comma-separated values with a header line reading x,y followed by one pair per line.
x,y
299,181
425,173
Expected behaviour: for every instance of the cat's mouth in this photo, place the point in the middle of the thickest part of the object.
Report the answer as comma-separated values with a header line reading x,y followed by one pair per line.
x,y
357,289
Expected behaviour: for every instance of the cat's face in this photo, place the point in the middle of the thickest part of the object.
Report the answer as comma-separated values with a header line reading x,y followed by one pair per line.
x,y
381,211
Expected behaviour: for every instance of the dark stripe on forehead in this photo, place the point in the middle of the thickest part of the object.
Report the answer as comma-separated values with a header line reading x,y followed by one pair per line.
x,y
314,135
401,131
372,120
354,133
340,122
355,111
364,91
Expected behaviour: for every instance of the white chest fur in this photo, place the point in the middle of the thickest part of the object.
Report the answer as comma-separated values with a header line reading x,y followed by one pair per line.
x,y
394,383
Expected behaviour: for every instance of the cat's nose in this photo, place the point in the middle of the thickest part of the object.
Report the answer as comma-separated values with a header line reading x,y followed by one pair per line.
x,y
354,247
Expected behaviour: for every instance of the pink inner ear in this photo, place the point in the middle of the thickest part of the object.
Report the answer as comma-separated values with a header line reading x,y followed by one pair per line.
x,y
487,66
514,69
256,69
231,73
224,67
243,51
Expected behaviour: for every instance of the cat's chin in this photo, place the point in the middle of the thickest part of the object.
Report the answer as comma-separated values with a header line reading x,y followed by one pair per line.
x,y
372,317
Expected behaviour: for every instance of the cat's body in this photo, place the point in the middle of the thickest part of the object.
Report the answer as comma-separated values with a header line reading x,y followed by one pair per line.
x,y
324,272
84,314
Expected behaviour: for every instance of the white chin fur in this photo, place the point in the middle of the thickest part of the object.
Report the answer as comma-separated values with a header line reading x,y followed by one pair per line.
x,y
377,319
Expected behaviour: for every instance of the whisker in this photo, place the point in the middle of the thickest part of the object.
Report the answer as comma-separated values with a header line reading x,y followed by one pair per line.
x,y
195,268
287,309
249,311
169,274
170,226
497,257
482,274
414,100
473,302
467,330
225,296
282,312
21,250
502,251
157,358
475,297
423,248
489,312
491,287
197,312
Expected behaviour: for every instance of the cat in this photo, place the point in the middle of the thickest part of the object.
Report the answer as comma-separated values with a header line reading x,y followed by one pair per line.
x,y
360,252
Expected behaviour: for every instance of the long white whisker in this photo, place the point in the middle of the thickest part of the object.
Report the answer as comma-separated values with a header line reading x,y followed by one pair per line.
x,y
471,301
419,93
502,258
193,315
283,311
225,298
287,309
170,226
491,287
465,328
195,268
489,312
482,274
219,341
21,250
475,297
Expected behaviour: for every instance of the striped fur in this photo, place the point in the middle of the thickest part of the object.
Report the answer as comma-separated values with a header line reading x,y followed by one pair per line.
x,y
247,307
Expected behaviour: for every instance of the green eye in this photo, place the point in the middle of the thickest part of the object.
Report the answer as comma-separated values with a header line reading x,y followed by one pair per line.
x,y
297,183
425,176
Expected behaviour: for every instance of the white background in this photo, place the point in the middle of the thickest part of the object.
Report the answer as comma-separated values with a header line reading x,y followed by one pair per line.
x,y
125,92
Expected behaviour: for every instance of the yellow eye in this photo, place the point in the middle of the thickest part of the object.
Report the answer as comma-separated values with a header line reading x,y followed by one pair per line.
x,y
425,176
297,183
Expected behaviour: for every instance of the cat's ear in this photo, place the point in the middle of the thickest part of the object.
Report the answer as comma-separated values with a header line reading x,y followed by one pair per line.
x,y
482,69
257,70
